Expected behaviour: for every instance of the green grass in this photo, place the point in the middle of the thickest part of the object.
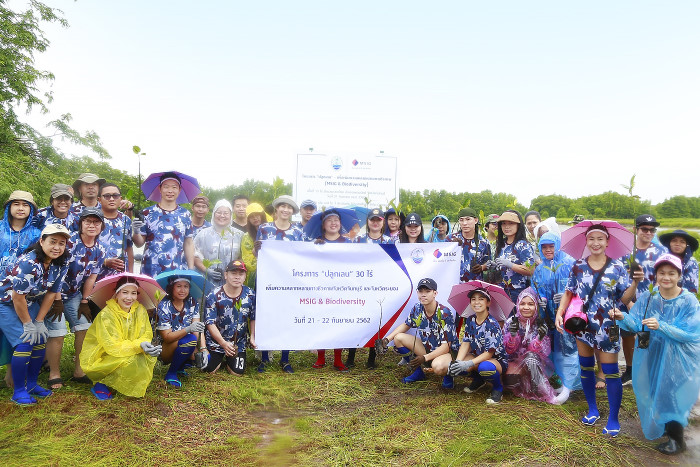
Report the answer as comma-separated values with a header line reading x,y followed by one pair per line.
x,y
314,417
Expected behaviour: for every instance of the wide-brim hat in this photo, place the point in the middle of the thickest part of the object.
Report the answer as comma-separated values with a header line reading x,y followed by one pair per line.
x,y
509,216
666,238
19,195
87,178
286,199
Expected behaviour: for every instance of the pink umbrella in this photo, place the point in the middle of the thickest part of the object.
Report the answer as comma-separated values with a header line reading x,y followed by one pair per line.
x,y
149,290
500,306
620,243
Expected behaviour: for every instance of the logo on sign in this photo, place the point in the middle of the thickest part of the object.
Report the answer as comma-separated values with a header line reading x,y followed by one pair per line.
x,y
437,253
354,162
336,163
417,255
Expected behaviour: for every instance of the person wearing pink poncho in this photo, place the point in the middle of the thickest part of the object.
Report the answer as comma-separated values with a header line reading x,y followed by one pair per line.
x,y
528,348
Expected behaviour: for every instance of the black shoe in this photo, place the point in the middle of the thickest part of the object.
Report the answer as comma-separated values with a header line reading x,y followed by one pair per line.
x,y
370,365
627,377
475,385
350,363
670,447
495,397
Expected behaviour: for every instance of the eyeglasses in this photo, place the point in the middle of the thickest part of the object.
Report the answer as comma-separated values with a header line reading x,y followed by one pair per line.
x,y
648,229
111,195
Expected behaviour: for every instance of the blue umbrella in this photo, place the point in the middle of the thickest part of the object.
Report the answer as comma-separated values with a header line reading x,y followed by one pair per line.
x,y
189,187
361,212
348,220
195,278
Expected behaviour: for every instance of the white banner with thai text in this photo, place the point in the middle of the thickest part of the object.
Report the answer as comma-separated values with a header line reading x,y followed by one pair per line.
x,y
339,295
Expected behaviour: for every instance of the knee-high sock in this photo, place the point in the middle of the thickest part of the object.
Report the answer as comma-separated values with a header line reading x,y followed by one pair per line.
x,y
351,356
285,356
184,349
488,371
338,357
588,382
265,356
614,386
403,350
321,360
20,365
34,367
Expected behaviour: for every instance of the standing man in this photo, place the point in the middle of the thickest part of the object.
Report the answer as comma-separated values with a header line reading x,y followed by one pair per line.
x,y
86,188
240,218
116,236
491,229
307,209
200,209
642,275
475,252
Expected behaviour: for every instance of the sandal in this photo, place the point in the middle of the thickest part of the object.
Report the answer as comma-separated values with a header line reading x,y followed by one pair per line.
x,y
38,391
80,379
23,398
102,395
287,368
174,382
318,365
53,382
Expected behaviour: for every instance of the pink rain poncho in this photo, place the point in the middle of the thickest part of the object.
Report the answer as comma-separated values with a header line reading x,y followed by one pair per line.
x,y
666,375
529,367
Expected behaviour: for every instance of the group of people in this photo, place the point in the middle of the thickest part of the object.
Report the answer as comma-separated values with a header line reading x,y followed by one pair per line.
x,y
54,259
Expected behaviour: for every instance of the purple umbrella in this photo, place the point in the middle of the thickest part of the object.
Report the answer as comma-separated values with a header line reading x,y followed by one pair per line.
x,y
620,243
189,187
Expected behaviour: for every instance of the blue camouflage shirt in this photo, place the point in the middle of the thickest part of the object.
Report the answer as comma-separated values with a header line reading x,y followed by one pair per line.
x,y
165,233
30,278
485,337
83,262
230,315
365,238
646,259
469,249
170,318
201,227
269,231
45,216
519,253
435,330
112,238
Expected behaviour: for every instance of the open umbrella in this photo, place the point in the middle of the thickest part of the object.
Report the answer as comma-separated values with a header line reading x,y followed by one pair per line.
x,y
500,307
195,278
148,289
620,243
348,220
361,213
189,187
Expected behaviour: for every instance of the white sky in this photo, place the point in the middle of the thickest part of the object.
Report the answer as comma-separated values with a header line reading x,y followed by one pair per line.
x,y
527,98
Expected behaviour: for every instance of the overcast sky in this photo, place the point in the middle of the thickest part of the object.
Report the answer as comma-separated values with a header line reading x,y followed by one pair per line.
x,y
523,97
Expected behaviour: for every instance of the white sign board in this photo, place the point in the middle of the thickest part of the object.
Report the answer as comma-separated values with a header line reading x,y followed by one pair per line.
x,y
340,181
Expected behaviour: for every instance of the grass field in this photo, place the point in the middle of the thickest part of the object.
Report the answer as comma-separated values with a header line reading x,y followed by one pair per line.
x,y
314,417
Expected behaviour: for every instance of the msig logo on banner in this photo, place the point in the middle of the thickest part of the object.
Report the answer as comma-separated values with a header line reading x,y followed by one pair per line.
x,y
339,295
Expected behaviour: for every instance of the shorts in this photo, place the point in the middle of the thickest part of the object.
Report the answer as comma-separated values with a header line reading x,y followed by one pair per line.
x,y
10,325
57,328
237,364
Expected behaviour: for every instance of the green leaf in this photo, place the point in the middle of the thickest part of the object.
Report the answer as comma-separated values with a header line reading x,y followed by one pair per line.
x,y
136,149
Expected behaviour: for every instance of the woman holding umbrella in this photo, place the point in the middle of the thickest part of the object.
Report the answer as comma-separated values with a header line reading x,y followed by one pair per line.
x,y
27,293
514,255
681,244
167,229
602,283
178,321
117,352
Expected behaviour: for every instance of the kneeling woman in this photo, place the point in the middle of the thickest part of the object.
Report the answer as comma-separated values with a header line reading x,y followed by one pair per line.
x,y
27,293
528,348
178,324
117,352
230,313
666,373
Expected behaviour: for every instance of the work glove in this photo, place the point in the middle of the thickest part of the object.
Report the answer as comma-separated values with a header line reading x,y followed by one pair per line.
x,y
84,310
152,350
136,226
542,331
417,361
195,327
504,263
29,334
215,275
513,327
56,311
542,302
460,366
42,334
556,298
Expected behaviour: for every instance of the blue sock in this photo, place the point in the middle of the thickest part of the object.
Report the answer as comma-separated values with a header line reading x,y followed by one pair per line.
x,y
488,371
20,366
34,367
588,383
285,357
182,353
265,356
417,375
613,384
403,350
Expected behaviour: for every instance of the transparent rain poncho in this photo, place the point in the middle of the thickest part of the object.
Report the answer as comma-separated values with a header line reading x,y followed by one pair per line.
x,y
529,367
221,243
550,278
547,225
112,353
666,375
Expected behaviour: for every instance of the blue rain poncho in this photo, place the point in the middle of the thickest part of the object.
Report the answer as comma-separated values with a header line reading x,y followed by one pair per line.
x,y
432,234
550,277
666,375
12,243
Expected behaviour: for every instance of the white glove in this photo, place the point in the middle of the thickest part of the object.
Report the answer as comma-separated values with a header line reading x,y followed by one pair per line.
x,y
152,350
41,332
29,333
504,263
136,226
195,327
459,366
542,302
215,275
557,298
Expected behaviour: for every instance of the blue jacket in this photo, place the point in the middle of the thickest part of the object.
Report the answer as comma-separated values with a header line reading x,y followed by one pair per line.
x,y
13,244
550,276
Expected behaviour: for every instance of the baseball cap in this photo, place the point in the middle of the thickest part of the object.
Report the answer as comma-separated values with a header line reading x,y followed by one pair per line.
x,y
481,291
236,265
375,213
60,189
509,216
88,211
492,218
467,212
646,219
55,229
668,258
427,283
413,219
308,203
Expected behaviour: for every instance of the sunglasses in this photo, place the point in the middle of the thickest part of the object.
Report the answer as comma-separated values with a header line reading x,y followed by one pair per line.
x,y
648,229
111,195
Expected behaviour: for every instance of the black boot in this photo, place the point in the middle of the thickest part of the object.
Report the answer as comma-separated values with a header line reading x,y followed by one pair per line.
x,y
350,362
371,363
675,443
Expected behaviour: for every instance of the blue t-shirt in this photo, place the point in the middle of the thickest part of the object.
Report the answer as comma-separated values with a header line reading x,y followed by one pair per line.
x,y
165,233
230,315
365,238
646,259
170,318
83,262
519,253
469,249
269,231
435,330
30,278
45,216
485,337
112,238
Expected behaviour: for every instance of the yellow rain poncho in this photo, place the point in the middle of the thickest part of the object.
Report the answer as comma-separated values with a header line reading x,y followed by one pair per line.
x,y
112,353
